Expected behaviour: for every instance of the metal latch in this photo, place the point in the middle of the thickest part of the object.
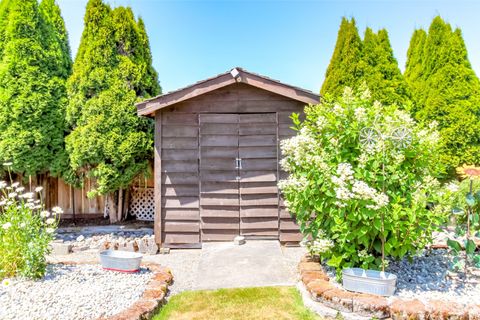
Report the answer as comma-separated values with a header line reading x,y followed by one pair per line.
x,y
238,163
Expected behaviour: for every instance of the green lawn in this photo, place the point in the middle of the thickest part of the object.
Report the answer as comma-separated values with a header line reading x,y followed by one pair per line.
x,y
249,303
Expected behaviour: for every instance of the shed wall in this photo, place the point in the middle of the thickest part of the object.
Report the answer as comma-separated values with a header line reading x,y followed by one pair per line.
x,y
177,143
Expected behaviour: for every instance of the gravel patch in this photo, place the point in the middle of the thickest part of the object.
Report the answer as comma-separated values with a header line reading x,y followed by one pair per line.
x,y
72,292
428,277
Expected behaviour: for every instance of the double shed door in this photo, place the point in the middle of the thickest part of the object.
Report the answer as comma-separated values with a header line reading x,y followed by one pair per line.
x,y
238,176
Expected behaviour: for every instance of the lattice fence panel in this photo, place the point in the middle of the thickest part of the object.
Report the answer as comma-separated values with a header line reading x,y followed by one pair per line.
x,y
142,204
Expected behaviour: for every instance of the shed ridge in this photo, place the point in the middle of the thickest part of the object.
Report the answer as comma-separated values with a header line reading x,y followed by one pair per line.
x,y
236,75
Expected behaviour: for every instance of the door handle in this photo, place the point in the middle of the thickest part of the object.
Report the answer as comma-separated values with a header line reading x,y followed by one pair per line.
x,y
238,163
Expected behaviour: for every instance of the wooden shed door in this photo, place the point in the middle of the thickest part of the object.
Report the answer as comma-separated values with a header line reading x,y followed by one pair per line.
x,y
238,176
258,175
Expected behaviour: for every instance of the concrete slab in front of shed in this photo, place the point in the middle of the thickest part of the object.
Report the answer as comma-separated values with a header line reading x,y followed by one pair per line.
x,y
254,264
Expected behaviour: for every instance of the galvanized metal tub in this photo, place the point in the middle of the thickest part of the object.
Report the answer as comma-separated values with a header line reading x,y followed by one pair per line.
x,y
369,281
123,261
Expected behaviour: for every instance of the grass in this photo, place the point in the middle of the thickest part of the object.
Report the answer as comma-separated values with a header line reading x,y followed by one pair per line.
x,y
231,304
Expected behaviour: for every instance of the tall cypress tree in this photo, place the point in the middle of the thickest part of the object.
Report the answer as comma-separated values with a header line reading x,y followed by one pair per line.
x,y
370,61
34,66
344,69
447,90
109,142
380,69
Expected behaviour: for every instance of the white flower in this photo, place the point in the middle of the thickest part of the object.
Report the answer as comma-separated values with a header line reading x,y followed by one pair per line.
x,y
44,214
57,210
20,189
452,187
50,230
6,225
50,221
6,283
23,225
433,125
360,114
3,184
15,184
12,195
7,164
38,189
28,195
366,94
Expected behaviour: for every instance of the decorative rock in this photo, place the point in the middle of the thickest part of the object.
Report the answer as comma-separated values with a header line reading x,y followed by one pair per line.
x,y
152,247
309,275
318,287
59,248
164,250
239,240
339,299
407,310
80,238
309,266
439,310
371,305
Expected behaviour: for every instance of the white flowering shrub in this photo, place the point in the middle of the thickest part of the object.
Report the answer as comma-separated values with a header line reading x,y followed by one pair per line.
x,y
26,230
360,174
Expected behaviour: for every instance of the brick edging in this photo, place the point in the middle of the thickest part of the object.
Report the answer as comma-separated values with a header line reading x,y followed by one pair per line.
x,y
151,299
320,289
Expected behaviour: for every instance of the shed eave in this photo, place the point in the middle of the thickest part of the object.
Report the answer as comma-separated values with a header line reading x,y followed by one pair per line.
x,y
236,75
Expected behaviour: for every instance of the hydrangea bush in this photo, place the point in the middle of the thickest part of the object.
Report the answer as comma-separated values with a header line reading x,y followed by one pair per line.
x,y
26,229
362,174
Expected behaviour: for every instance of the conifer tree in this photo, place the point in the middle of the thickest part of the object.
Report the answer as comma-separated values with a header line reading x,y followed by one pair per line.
x,y
380,69
34,65
109,142
446,90
343,69
371,62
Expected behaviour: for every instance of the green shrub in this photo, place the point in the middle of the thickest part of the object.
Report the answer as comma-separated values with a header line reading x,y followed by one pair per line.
x,y
354,164
26,230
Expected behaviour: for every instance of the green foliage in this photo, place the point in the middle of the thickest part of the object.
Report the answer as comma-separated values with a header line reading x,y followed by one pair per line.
x,y
34,65
466,203
344,68
360,173
371,61
26,231
112,70
445,88
380,69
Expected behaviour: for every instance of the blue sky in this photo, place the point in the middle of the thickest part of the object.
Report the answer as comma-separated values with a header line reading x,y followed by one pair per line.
x,y
291,41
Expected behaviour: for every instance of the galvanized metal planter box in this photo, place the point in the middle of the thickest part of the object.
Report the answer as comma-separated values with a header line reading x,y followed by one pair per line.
x,y
123,261
369,281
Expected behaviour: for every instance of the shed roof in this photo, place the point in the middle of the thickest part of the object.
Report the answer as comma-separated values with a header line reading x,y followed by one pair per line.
x,y
236,75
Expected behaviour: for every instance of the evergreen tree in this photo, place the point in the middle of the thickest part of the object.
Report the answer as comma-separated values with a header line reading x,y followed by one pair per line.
x,y
34,65
343,69
446,90
380,69
414,66
371,61
109,142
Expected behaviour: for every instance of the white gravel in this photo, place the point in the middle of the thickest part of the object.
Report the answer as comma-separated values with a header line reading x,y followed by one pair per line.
x,y
428,277
72,292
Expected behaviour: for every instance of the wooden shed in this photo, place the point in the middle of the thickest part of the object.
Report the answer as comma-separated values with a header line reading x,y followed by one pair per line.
x,y
216,159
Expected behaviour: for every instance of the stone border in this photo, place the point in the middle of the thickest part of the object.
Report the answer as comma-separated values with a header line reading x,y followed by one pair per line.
x,y
152,298
321,290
